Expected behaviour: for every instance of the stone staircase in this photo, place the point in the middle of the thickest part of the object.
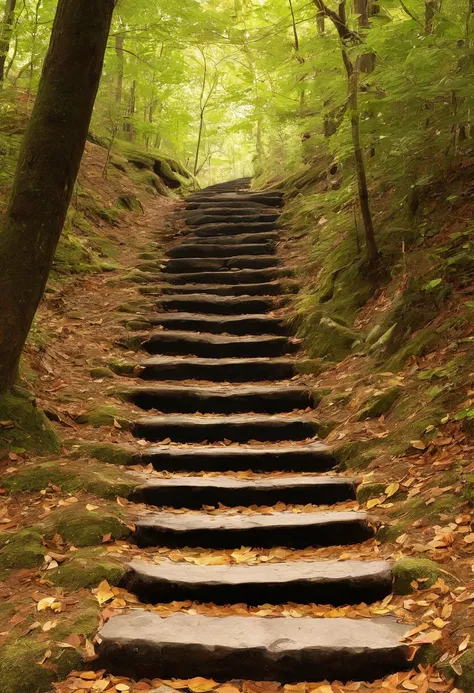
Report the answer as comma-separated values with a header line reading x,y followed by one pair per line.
x,y
215,294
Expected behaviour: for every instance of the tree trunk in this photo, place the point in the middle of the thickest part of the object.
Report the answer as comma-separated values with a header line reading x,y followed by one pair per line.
x,y
47,168
370,242
5,35
119,41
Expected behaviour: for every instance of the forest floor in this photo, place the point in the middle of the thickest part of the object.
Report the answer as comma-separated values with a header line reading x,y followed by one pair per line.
x,y
65,520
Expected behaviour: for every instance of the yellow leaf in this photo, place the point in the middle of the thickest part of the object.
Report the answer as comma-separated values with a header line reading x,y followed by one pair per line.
x,y
464,643
104,593
122,687
91,507
373,502
418,444
392,489
200,685
48,603
88,675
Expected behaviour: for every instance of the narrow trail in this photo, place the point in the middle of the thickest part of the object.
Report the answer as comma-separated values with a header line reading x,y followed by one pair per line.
x,y
216,292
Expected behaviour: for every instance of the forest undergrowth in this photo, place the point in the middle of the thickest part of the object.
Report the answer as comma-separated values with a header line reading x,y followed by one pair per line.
x,y
397,415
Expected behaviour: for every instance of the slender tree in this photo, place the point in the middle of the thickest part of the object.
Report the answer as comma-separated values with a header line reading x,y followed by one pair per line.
x,y
348,37
47,168
5,35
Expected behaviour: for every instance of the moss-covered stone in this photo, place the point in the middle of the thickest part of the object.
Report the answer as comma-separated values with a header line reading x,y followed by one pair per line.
x,y
20,670
419,345
21,550
93,478
357,454
81,527
464,676
106,452
367,491
103,415
409,570
380,404
336,340
313,366
102,372
23,426
86,569
123,367
130,203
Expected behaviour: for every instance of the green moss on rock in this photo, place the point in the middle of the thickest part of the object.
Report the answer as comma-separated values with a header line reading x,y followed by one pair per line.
x,y
367,491
102,372
464,677
87,569
24,426
380,404
21,550
409,570
20,671
103,415
81,527
106,452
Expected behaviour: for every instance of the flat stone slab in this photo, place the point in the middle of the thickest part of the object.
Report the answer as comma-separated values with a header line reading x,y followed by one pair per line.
x,y
221,400
237,276
239,429
216,305
295,530
315,457
216,216
142,644
233,229
320,582
182,343
217,370
268,237
221,250
216,264
236,205
274,288
197,492
254,324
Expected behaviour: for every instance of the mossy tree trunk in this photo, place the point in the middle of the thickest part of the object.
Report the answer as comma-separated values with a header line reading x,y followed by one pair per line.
x,y
5,35
47,168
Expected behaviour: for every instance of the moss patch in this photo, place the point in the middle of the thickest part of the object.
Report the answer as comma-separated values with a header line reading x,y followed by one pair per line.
x,y
101,372
106,452
21,550
92,478
80,527
409,570
465,666
23,426
367,491
87,569
103,415
380,404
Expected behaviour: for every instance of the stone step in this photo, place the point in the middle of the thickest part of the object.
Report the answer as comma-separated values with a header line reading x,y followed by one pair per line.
x,y
216,305
236,216
235,205
238,429
217,370
213,250
216,264
196,492
268,237
181,399
302,582
294,530
230,185
315,457
233,324
181,343
267,199
143,644
275,288
238,276
233,229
